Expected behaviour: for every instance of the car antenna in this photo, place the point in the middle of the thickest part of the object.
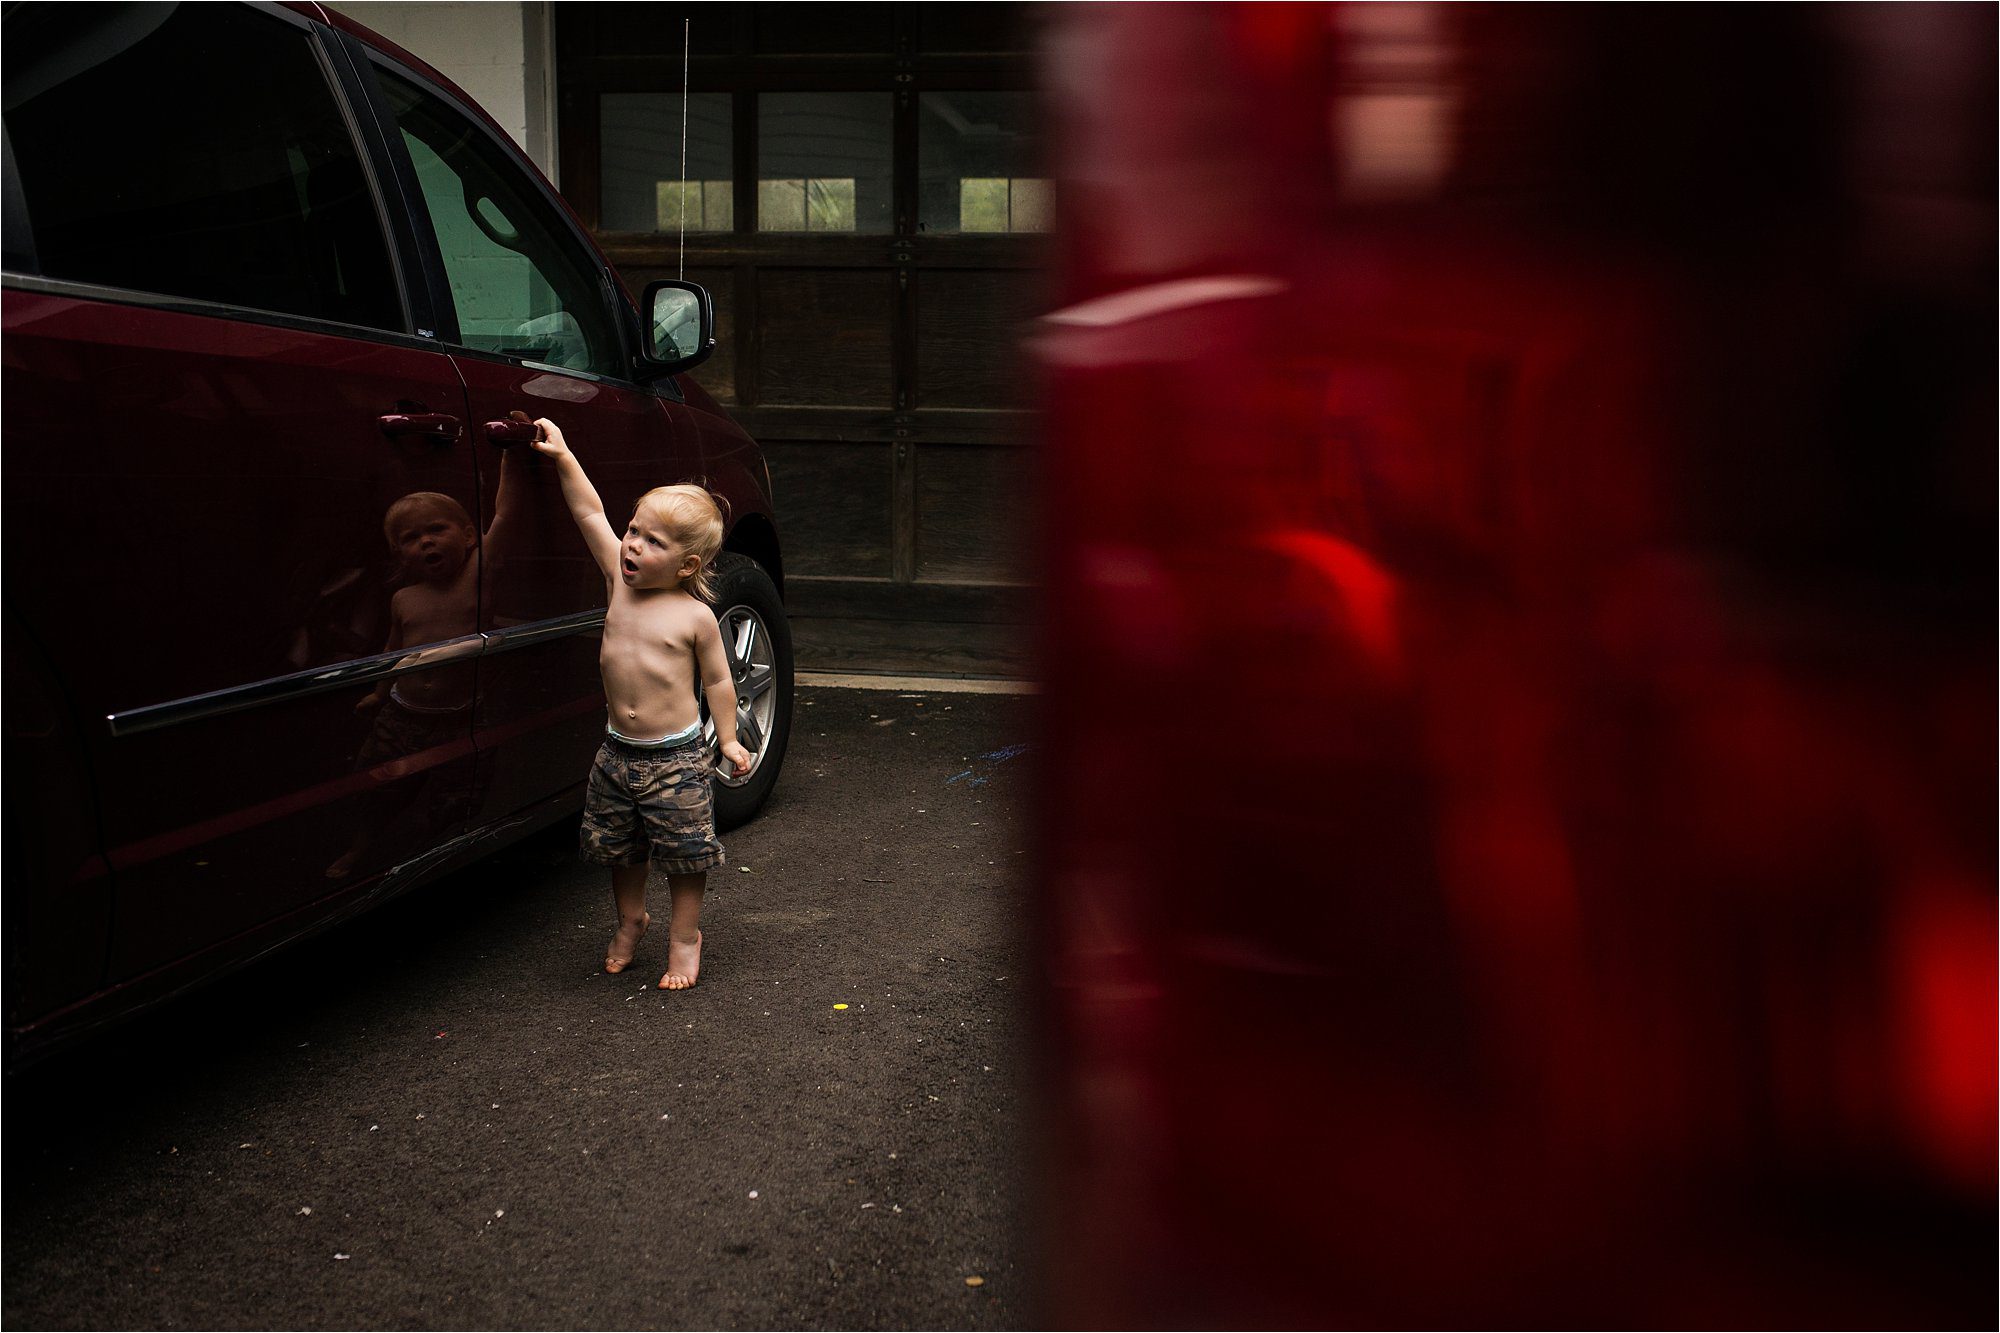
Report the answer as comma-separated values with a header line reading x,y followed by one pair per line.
x,y
686,37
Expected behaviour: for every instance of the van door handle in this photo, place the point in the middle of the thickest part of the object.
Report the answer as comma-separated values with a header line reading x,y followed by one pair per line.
x,y
420,423
510,432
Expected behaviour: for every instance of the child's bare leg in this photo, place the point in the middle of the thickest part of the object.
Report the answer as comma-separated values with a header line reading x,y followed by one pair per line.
x,y
628,890
684,932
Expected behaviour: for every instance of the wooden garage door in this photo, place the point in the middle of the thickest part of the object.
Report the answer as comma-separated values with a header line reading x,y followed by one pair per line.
x,y
865,198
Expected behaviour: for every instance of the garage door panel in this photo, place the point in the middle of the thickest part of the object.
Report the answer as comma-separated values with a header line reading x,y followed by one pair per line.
x,y
969,325
973,513
826,337
834,499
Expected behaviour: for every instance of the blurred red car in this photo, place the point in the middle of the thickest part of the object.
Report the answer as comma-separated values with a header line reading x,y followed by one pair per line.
x,y
293,621
1519,819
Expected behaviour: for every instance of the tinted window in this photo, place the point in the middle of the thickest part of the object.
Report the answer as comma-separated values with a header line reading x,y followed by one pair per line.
x,y
521,285
194,150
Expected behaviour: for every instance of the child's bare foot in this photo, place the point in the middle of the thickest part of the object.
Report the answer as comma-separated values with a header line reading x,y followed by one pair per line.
x,y
683,963
626,943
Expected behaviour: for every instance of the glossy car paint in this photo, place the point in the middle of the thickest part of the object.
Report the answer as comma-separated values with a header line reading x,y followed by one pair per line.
x,y
217,493
201,496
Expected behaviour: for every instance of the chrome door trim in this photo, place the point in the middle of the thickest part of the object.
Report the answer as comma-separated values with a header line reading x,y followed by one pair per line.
x,y
340,675
508,638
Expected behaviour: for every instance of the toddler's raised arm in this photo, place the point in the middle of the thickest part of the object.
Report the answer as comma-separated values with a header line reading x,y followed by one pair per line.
x,y
584,506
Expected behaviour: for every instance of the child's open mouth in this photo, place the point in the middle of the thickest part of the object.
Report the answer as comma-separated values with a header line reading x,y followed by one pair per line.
x,y
630,568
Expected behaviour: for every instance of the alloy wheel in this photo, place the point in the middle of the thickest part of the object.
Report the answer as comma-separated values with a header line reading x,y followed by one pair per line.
x,y
746,640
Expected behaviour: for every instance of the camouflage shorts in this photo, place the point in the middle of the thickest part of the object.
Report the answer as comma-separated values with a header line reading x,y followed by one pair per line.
x,y
651,804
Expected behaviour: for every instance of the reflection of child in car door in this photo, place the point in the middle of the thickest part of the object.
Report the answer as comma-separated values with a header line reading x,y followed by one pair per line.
x,y
436,540
440,556
649,799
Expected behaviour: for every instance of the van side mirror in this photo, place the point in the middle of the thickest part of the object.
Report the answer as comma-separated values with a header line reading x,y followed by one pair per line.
x,y
679,326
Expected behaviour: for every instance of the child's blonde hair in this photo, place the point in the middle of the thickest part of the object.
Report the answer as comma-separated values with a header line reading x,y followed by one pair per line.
x,y
432,502
692,517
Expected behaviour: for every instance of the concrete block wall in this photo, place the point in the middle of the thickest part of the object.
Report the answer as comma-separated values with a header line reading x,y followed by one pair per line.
x,y
501,53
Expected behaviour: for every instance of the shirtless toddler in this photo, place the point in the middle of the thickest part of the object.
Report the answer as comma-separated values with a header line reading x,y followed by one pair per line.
x,y
649,796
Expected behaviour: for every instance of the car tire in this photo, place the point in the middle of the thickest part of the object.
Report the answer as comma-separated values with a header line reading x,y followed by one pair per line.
x,y
758,642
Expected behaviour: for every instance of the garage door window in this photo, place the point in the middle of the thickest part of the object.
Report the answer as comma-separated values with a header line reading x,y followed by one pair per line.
x,y
194,151
643,190
976,156
823,162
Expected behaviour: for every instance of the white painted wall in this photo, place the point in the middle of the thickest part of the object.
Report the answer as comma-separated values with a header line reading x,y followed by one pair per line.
x,y
501,53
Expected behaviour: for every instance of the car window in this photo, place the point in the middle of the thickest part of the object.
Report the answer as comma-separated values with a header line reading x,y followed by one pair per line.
x,y
521,285
192,150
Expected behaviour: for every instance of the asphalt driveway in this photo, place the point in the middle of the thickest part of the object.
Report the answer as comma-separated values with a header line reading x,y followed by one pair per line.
x,y
446,1116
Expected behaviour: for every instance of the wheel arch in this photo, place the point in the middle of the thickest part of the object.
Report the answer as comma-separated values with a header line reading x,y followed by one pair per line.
x,y
755,536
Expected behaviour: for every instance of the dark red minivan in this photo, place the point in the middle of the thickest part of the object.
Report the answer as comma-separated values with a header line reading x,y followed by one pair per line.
x,y
293,619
